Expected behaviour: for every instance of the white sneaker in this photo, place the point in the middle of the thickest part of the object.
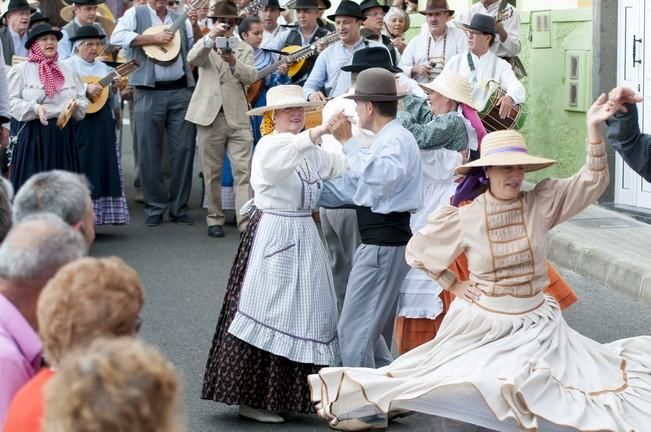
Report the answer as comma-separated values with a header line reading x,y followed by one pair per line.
x,y
261,416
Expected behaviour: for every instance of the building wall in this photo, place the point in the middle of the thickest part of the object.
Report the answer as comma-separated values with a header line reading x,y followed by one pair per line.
x,y
552,128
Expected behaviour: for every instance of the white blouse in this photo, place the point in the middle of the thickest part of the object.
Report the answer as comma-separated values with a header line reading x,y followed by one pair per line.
x,y
287,171
26,91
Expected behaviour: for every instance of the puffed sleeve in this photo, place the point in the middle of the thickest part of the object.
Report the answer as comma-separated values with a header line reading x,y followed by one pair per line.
x,y
21,109
434,247
560,199
277,156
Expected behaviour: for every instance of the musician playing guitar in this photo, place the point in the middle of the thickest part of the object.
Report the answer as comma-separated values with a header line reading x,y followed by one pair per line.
x,y
96,133
480,66
162,94
307,32
327,78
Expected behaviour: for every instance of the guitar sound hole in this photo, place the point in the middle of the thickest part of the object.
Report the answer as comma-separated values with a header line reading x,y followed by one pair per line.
x,y
163,49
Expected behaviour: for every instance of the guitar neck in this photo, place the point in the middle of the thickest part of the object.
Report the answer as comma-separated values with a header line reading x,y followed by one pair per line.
x,y
310,50
108,79
267,70
176,25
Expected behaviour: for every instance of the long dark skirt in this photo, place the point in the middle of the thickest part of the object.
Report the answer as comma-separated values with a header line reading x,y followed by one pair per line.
x,y
240,374
100,161
42,148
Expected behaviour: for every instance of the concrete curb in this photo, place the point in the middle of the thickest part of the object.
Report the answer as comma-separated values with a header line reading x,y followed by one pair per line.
x,y
618,256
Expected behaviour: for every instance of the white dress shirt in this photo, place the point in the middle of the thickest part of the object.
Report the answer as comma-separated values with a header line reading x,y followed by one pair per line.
x,y
267,36
19,43
488,68
125,33
328,142
509,47
416,52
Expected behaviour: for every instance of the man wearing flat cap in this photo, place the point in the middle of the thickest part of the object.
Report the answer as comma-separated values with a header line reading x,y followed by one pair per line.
x,y
479,65
327,79
384,184
425,56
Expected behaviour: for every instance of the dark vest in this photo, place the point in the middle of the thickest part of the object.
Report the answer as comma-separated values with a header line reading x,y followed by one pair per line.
x,y
294,38
7,45
144,75
384,40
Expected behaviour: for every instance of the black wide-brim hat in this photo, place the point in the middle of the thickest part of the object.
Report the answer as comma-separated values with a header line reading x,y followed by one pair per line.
x,y
482,23
36,18
375,85
87,32
371,57
347,8
39,30
15,5
306,4
272,4
370,4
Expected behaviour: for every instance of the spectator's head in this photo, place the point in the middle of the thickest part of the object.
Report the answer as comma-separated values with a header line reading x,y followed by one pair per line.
x,y
63,193
6,194
114,385
250,31
396,22
31,254
17,15
88,299
269,14
348,18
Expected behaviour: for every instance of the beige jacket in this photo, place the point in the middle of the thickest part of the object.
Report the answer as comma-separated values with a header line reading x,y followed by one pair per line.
x,y
220,87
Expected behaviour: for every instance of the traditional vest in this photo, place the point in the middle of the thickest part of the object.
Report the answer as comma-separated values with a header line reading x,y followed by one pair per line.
x,y
144,75
7,45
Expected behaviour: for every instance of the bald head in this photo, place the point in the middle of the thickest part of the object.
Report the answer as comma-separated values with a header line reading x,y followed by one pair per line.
x,y
37,247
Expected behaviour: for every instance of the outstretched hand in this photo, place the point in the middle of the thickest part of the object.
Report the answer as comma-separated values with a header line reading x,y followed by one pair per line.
x,y
601,110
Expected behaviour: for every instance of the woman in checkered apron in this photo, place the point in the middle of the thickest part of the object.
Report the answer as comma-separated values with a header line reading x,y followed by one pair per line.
x,y
278,321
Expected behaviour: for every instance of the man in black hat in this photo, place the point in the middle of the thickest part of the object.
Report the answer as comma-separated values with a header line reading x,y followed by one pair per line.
x,y
327,77
269,17
384,184
85,13
482,67
373,13
14,34
307,32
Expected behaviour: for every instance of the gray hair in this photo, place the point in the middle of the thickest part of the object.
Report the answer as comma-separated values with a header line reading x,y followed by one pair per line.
x,y
7,188
38,246
62,193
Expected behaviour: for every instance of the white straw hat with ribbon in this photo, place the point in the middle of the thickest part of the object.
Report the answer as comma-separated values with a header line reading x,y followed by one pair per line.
x,y
284,96
506,148
451,85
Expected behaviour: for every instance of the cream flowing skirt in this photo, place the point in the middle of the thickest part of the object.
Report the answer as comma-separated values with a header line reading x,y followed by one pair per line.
x,y
521,369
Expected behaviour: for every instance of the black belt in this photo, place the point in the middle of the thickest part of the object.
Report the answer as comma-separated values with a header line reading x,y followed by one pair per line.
x,y
178,84
379,229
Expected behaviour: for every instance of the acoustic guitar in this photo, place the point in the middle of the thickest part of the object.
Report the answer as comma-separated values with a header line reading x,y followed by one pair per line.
x,y
252,8
96,103
168,52
295,59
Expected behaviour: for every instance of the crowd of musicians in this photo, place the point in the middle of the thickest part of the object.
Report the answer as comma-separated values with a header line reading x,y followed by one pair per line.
x,y
401,138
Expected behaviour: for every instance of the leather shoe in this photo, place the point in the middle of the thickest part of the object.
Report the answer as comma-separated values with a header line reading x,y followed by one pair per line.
x,y
154,220
216,231
183,219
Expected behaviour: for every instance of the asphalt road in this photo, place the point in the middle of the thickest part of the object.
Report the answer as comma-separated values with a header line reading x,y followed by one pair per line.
x,y
185,273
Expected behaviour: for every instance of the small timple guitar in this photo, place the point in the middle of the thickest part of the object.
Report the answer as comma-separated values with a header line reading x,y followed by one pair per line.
x,y
295,59
168,52
98,102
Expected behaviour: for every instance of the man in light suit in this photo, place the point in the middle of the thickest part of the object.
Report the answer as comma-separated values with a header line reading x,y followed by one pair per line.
x,y
218,108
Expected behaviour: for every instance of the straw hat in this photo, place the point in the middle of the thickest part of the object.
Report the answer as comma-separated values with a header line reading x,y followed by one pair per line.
x,y
503,148
284,96
67,14
451,85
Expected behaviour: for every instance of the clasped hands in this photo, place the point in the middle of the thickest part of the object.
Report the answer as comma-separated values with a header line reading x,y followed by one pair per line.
x,y
339,126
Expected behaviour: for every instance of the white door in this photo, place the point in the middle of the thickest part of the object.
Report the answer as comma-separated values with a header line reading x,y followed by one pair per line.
x,y
630,188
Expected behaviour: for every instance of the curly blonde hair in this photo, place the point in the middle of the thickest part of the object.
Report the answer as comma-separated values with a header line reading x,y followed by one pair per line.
x,y
117,385
87,299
